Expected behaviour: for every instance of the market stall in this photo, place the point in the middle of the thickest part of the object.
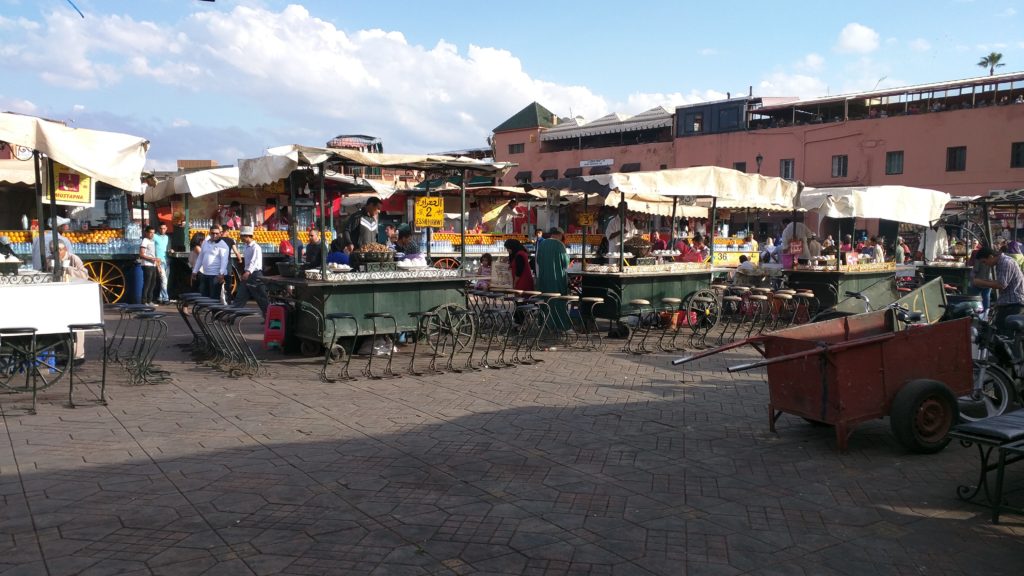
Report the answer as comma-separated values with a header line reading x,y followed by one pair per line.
x,y
652,278
831,277
378,284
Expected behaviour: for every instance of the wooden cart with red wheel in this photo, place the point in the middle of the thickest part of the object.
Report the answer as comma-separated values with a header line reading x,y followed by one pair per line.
x,y
850,370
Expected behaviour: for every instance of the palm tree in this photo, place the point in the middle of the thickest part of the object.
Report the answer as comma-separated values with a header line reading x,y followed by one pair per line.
x,y
992,61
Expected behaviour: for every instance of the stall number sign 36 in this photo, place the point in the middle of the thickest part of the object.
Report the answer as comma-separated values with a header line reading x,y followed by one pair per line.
x,y
430,212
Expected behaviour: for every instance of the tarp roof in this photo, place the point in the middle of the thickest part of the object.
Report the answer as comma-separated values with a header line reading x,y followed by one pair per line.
x,y
919,206
282,160
15,171
110,157
195,184
658,117
731,186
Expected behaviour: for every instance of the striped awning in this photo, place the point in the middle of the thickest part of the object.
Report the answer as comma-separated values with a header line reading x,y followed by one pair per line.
x,y
572,172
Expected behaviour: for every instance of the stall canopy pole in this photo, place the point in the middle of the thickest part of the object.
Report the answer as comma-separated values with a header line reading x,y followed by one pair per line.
x,y
711,233
429,237
462,220
293,233
586,211
39,211
1016,212
323,226
622,235
673,223
53,220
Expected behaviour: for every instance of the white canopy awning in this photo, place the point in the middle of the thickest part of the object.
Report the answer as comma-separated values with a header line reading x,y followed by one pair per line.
x,y
195,184
283,160
110,157
919,206
14,171
732,186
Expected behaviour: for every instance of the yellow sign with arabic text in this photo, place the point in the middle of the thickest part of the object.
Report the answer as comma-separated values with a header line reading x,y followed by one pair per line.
x,y
586,219
429,212
72,188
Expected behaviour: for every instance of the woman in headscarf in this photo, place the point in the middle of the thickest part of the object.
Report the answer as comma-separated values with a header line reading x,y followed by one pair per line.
x,y
519,264
1013,250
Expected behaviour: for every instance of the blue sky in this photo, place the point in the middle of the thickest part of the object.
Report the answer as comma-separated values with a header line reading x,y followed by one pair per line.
x,y
226,80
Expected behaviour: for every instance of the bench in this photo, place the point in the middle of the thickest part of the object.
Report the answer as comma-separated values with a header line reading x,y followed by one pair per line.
x,y
1005,435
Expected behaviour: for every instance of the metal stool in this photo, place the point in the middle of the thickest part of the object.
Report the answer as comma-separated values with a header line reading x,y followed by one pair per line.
x,y
782,307
707,311
422,324
670,306
373,317
590,328
732,311
183,301
152,330
760,312
96,327
642,323
330,355
529,313
22,358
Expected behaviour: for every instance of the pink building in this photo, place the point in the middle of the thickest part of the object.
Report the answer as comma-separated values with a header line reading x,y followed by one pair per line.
x,y
964,137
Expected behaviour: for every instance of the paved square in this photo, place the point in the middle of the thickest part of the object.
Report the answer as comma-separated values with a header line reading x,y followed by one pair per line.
x,y
588,463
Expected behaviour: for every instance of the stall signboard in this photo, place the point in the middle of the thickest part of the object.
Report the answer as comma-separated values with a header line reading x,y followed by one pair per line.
x,y
586,219
796,247
429,212
72,188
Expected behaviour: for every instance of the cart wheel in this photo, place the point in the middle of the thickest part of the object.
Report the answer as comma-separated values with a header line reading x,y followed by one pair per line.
x,y
49,364
922,413
337,354
310,348
993,398
450,320
234,278
110,277
447,264
704,307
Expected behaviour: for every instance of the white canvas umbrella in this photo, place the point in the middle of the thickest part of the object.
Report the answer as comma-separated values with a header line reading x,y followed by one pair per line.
x,y
919,206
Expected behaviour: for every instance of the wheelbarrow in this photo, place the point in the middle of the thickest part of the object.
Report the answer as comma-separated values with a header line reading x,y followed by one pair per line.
x,y
849,370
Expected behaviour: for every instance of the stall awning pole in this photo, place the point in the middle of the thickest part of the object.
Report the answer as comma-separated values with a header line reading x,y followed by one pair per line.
x,y
293,234
586,211
711,232
39,211
622,235
429,235
462,220
57,265
673,223
323,225
1016,212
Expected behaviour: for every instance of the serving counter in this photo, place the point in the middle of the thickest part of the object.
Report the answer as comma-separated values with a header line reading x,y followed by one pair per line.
x,y
829,286
395,293
618,288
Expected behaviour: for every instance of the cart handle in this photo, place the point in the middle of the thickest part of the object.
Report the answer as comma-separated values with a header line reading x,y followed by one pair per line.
x,y
706,353
820,348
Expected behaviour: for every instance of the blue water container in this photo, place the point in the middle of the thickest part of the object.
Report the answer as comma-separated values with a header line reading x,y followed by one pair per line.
x,y
136,283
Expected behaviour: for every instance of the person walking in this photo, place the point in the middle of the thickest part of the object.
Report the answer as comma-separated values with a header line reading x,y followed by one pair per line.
x,y
160,240
211,266
251,285
552,277
149,262
519,265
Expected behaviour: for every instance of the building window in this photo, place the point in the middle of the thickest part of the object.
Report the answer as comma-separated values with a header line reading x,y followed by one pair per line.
x,y
694,122
741,166
956,158
1017,155
894,162
516,148
839,165
728,118
786,168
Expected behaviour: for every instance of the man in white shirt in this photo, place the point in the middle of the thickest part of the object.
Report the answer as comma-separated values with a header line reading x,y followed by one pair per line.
x,y
212,264
149,262
795,231
476,217
251,285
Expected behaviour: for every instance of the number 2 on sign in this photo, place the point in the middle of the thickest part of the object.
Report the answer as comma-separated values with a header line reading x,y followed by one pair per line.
x,y
430,212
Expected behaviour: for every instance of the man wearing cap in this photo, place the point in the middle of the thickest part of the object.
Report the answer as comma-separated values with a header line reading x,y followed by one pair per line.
x,y
62,226
251,285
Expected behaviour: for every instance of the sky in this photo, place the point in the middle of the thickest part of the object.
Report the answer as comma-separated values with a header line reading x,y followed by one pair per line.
x,y
227,79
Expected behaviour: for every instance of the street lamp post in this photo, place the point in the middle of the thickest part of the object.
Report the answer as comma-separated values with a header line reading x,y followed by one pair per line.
x,y
759,159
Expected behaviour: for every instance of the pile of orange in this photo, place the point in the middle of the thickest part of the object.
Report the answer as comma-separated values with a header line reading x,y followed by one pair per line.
x,y
93,236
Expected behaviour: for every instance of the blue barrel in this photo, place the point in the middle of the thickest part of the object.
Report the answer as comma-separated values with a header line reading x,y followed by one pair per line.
x,y
135,285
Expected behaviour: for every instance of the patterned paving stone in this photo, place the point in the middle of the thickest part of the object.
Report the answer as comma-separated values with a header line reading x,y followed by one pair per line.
x,y
593,463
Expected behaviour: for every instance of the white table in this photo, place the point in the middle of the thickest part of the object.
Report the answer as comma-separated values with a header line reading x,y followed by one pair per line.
x,y
50,307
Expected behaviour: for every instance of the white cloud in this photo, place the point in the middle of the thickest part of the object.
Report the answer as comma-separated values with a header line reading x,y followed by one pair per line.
x,y
639,102
811,63
18,105
707,52
784,84
857,38
180,123
78,108
919,45
1009,13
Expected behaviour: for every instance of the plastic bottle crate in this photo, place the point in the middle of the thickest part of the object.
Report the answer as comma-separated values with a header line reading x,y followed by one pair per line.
x,y
274,327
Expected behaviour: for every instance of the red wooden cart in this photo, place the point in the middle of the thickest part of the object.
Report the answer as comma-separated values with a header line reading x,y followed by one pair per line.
x,y
849,370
